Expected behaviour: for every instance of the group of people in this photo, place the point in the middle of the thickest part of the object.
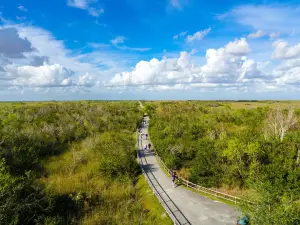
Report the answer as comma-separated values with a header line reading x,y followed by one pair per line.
x,y
142,135
148,146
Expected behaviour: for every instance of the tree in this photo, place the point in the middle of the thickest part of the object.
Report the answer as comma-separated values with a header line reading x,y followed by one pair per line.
x,y
279,122
20,202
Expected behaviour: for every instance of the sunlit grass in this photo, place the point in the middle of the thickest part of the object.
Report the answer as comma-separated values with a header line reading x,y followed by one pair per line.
x,y
120,200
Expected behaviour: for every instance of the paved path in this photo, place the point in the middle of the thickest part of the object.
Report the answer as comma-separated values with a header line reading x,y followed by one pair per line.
x,y
195,208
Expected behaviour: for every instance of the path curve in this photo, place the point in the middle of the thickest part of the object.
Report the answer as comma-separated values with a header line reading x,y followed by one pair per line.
x,y
194,207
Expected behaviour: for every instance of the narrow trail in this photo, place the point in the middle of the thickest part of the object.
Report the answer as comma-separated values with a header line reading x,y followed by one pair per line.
x,y
141,105
185,206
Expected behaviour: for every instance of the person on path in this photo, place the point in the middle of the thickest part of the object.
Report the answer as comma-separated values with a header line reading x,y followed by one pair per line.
x,y
149,146
146,147
173,176
146,136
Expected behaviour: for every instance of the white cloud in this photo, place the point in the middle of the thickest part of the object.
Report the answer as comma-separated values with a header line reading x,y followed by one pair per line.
x,y
134,49
274,35
229,64
96,12
284,51
42,76
181,34
32,57
156,72
22,8
225,67
199,35
97,45
118,40
81,4
289,64
289,77
121,39
257,34
287,72
261,33
269,18
86,80
238,47
89,5
194,51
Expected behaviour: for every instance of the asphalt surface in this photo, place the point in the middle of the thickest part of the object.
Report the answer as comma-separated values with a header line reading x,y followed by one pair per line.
x,y
196,208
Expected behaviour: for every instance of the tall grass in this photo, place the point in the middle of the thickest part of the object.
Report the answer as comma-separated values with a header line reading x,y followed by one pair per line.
x,y
106,197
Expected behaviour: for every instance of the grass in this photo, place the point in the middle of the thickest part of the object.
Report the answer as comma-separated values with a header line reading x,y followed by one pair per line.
x,y
123,200
240,104
151,203
271,104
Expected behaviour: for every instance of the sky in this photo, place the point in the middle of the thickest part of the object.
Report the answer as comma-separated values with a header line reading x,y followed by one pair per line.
x,y
142,49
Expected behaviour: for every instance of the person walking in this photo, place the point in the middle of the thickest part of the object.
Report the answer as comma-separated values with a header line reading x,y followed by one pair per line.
x,y
146,136
149,146
173,177
146,147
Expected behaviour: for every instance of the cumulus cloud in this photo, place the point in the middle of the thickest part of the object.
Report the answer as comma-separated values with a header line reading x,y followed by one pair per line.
x,y
229,64
238,47
43,76
88,5
39,60
12,45
287,72
226,66
284,51
199,35
31,57
257,34
156,72
86,80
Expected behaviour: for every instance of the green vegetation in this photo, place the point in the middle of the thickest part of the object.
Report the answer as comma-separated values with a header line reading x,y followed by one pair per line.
x,y
250,149
73,163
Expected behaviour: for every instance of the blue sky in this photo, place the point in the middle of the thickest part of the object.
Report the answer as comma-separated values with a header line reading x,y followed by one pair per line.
x,y
159,49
